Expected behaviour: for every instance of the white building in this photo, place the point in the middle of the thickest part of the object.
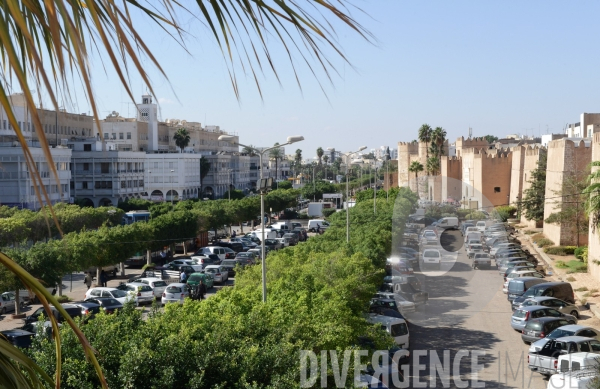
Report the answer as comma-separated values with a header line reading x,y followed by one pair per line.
x,y
172,176
589,123
16,184
230,171
103,178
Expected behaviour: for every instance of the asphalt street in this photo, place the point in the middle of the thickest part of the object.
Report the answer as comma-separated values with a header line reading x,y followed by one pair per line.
x,y
469,316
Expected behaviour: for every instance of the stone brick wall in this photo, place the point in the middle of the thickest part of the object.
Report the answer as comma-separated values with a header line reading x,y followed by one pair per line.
x,y
407,152
516,174
492,178
594,236
390,180
451,178
565,158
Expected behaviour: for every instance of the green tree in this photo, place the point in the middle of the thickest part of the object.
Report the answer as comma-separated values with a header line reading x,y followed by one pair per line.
x,y
235,194
284,185
570,207
276,155
135,205
491,138
13,231
424,135
182,138
533,198
592,196
298,157
320,153
415,167
249,150
438,137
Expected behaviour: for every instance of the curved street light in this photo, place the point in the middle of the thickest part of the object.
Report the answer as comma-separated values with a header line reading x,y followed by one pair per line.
x,y
290,140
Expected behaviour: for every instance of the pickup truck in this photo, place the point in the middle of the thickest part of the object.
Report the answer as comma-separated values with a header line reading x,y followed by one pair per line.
x,y
545,361
481,259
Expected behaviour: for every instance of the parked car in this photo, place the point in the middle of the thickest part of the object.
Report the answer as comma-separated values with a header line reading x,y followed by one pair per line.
x,y
158,285
109,304
207,279
432,257
313,224
251,256
115,293
8,301
519,269
500,246
396,265
175,293
559,305
285,242
397,328
273,244
73,311
567,330
292,238
574,379
88,307
17,337
473,249
206,259
246,242
404,305
235,246
409,287
141,293
559,290
181,264
481,260
231,265
220,273
521,316
539,328
502,268
545,361
518,273
383,303
220,251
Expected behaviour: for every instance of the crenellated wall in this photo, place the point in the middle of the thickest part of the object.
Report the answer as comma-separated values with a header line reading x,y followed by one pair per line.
x,y
407,152
491,182
566,158
451,168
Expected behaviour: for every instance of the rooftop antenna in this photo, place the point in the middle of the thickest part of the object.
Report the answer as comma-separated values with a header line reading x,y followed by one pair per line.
x,y
470,132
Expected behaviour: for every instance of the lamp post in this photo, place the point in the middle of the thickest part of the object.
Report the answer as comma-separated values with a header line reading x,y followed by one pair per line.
x,y
172,171
375,191
290,140
347,157
229,189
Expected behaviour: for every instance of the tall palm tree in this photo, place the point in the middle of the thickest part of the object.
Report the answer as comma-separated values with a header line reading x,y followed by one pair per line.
x,y
249,150
276,155
182,138
425,136
438,137
325,159
320,153
298,157
416,167
45,42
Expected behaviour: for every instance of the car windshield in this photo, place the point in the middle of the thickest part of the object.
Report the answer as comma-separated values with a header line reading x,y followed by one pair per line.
x,y
173,289
159,284
399,329
515,286
193,277
118,293
230,263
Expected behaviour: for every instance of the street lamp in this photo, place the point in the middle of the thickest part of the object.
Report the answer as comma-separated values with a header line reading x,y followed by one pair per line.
x,y
229,189
172,171
347,158
290,140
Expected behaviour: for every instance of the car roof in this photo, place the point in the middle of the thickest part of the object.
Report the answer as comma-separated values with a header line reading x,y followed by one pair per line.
x,y
212,267
574,338
136,284
150,279
542,298
375,318
86,303
549,318
575,327
178,284
103,288
534,308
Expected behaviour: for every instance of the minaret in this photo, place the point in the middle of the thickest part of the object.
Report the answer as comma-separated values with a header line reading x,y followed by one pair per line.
x,y
147,113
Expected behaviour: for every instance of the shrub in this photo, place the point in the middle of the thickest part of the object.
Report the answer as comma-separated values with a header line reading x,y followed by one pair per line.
x,y
475,215
506,212
560,264
328,211
63,299
579,252
462,213
537,237
560,250
529,232
582,289
571,279
544,242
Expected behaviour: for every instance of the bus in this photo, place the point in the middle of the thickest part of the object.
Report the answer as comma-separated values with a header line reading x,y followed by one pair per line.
x,y
135,216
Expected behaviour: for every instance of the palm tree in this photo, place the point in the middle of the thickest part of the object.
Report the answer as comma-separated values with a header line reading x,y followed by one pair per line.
x,y
320,153
325,159
416,167
45,42
425,136
276,155
433,165
298,157
592,193
182,138
438,137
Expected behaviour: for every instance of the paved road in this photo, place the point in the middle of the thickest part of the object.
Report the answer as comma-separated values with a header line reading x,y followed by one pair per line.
x,y
468,311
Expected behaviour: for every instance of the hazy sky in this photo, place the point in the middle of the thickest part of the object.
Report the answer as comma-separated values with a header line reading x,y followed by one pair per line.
x,y
500,68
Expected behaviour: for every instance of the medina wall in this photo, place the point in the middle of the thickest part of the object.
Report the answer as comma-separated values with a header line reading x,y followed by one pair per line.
x,y
594,233
516,174
530,163
565,158
451,168
407,152
492,179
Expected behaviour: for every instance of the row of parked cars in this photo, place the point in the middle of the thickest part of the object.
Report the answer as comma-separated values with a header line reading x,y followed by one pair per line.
x,y
544,312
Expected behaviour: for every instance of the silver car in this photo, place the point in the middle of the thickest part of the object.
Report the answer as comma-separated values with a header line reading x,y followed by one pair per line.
x,y
404,305
551,302
521,316
561,332
175,293
7,302
158,286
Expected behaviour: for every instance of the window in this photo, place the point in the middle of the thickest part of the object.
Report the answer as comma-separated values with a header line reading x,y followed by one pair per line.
x,y
106,135
86,166
145,100
123,184
87,147
120,135
141,182
84,185
4,124
129,135
104,167
145,114
496,189
72,185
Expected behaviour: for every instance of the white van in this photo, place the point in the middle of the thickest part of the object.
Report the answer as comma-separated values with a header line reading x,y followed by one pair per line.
x,y
220,251
312,225
471,235
287,226
268,234
448,223
394,326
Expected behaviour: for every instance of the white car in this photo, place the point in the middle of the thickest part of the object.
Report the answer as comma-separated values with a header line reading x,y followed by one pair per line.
x,y
432,257
119,295
158,286
480,226
429,235
518,274
219,273
7,302
285,242
188,262
220,251
500,246
140,292
175,293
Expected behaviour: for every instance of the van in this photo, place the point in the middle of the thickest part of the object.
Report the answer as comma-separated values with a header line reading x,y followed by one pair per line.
x,y
396,327
560,290
220,251
448,223
578,361
312,225
481,225
518,286
473,235
285,226
268,234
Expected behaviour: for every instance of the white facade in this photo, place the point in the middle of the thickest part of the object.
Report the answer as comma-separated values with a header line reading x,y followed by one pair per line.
x,y
103,178
16,184
172,176
233,171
